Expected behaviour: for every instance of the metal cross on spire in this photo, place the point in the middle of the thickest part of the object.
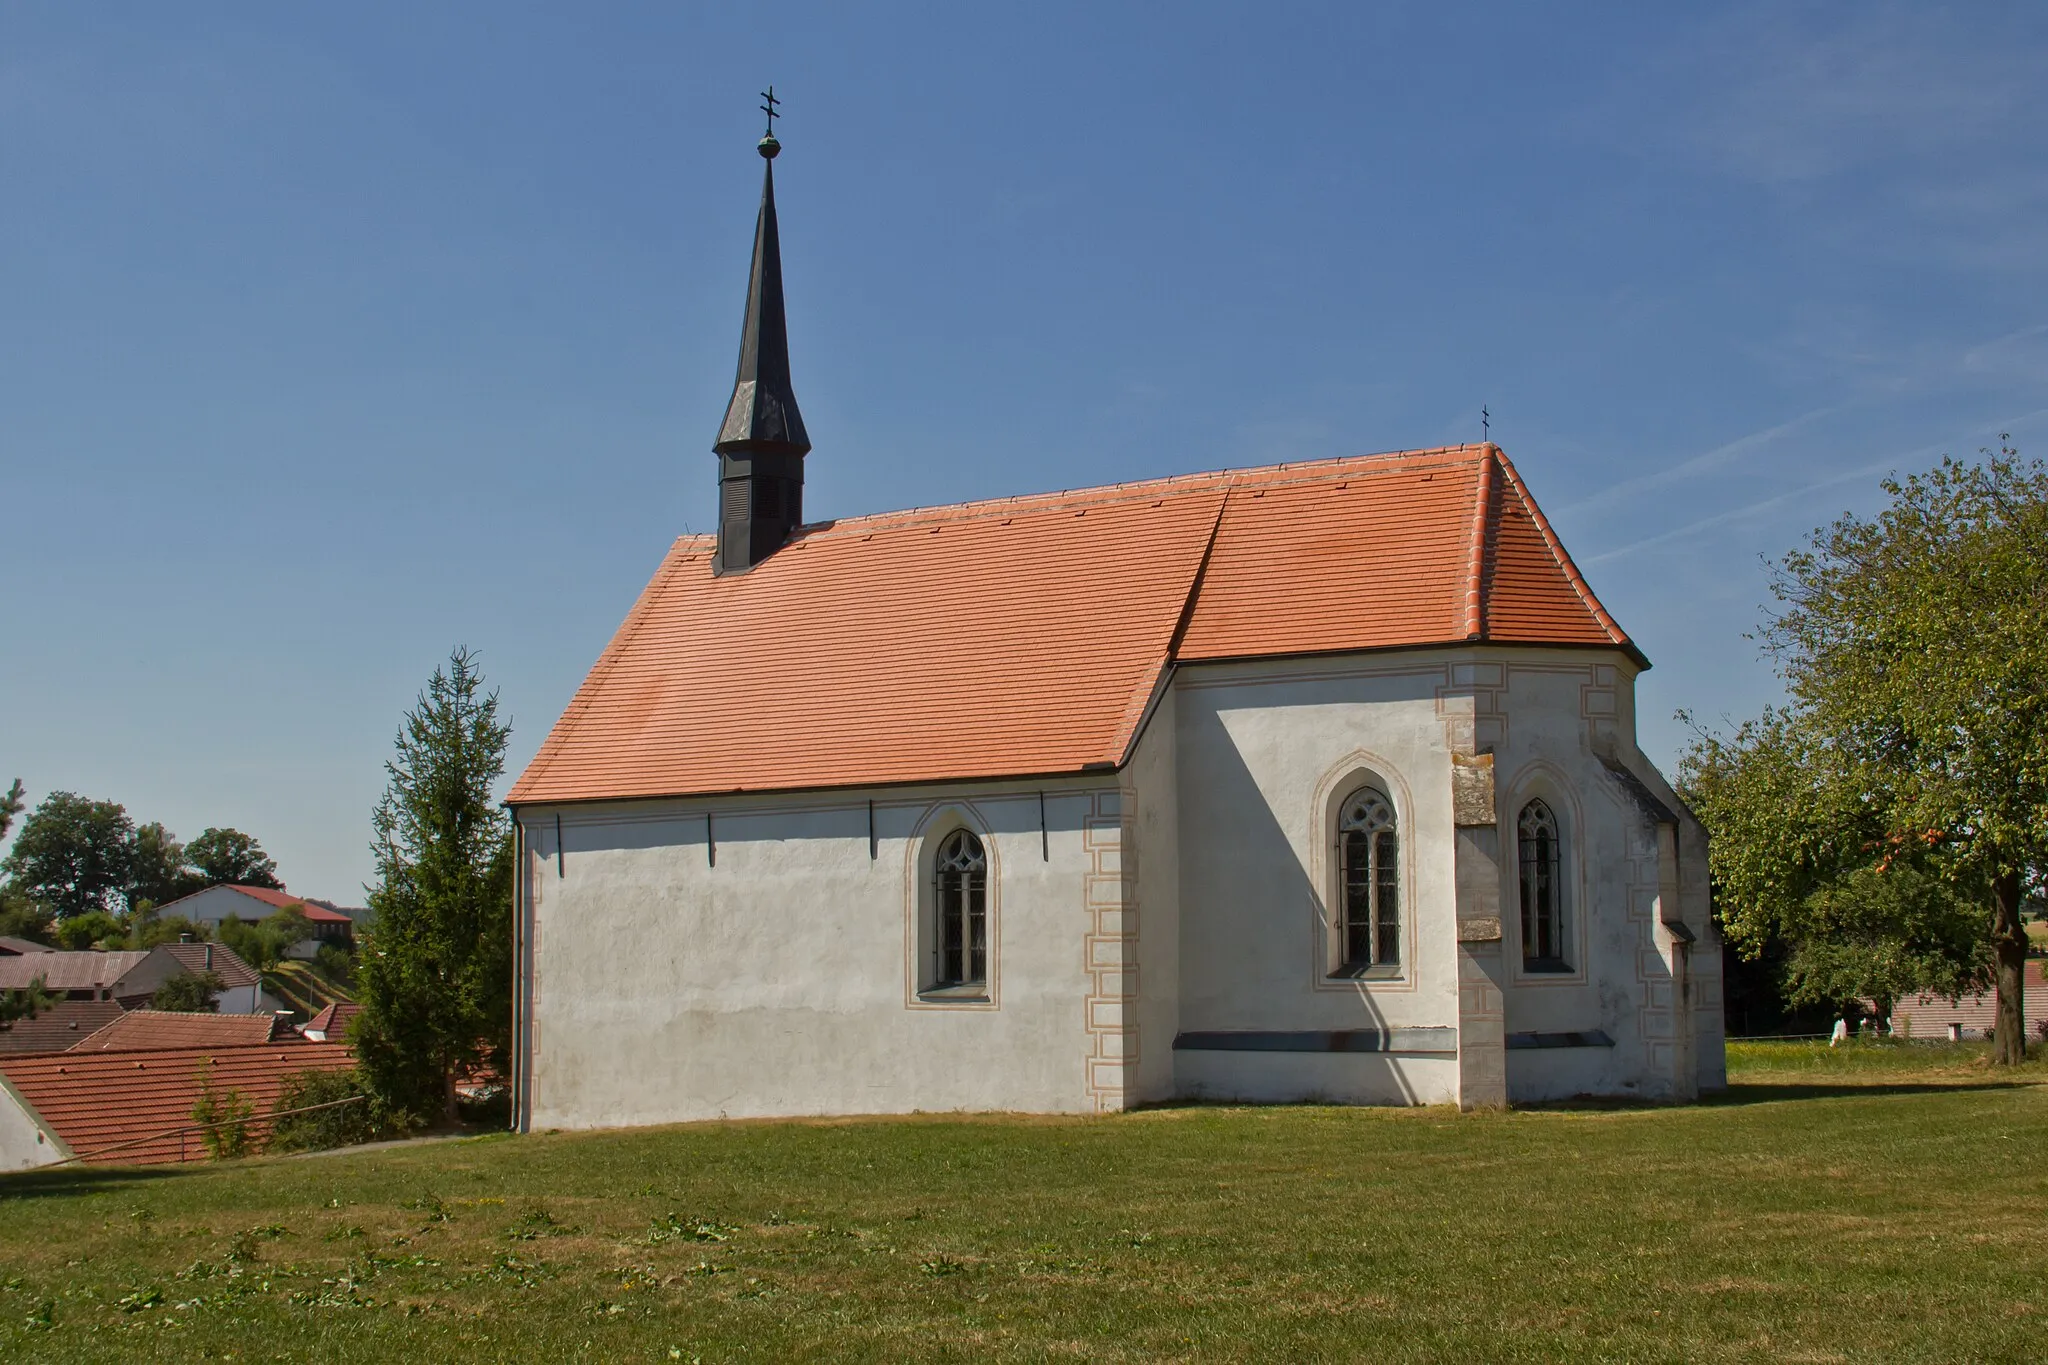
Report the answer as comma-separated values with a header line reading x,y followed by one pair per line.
x,y
768,146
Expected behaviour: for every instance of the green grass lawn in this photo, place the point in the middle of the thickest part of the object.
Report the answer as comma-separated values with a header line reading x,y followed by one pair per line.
x,y
1878,1203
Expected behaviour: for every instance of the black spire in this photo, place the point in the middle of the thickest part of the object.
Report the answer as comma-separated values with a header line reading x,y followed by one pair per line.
x,y
761,447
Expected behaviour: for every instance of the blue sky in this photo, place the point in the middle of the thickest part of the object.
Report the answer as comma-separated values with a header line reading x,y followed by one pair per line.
x,y
332,337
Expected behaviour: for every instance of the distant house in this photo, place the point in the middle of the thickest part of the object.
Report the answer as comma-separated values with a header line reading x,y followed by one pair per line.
x,y
59,1026
131,977
135,1107
331,923
330,1025
1973,1016
155,1030
15,947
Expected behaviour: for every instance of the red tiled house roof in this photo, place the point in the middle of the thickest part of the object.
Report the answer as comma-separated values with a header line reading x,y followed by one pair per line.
x,y
94,1101
58,1027
333,1020
217,958
317,911
1028,636
156,1029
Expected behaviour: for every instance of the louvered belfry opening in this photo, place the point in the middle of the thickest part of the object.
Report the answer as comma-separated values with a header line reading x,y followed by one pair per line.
x,y
762,443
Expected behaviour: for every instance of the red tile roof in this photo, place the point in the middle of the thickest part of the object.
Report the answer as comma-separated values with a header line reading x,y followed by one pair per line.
x,y
1029,635
97,1100
217,958
172,1029
57,1027
333,1020
318,911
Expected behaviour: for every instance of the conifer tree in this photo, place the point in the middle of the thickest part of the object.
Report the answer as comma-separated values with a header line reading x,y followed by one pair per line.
x,y
435,972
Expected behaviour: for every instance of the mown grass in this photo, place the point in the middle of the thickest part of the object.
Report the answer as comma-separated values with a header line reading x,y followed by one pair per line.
x,y
1873,1204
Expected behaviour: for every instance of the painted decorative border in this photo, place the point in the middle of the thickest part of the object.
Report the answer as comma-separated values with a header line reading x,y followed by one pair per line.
x,y
1110,901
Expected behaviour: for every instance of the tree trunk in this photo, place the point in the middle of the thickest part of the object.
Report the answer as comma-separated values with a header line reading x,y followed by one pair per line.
x,y
448,1111
2009,957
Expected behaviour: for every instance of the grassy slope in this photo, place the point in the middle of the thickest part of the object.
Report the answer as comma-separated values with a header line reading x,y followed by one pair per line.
x,y
1883,1204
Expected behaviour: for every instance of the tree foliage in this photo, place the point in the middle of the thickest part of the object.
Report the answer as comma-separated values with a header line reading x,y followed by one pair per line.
x,y
189,993
1885,935
344,1125
435,972
228,857
11,802
1914,647
226,1114
93,929
264,943
26,1003
157,872
73,855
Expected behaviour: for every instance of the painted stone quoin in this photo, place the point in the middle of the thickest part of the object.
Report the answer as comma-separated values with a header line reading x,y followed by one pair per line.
x,y
1312,780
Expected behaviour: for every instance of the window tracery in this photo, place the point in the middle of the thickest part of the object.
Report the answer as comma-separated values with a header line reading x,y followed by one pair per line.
x,y
960,871
1370,843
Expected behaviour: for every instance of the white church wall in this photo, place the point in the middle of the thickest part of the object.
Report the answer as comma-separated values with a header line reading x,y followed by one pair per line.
x,y
1152,835
1551,714
1267,751
765,964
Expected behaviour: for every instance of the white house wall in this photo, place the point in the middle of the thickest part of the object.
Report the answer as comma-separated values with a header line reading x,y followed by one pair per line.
x,y
775,977
24,1142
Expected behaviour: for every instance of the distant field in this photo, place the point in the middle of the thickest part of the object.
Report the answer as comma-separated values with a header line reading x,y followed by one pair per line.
x,y
1878,1203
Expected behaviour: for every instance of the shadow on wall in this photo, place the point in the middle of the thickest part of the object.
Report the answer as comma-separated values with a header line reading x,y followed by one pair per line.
x,y
1270,920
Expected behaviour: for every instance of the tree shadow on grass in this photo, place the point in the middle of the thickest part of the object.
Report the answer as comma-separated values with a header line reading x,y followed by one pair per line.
x,y
72,1180
1741,1094
1745,1093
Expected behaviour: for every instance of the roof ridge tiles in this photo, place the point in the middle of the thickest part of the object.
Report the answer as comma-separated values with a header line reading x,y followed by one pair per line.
x,y
1475,562
1130,490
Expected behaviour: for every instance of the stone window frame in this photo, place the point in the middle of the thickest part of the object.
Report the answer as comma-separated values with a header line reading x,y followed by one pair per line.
x,y
921,911
1541,781
1341,781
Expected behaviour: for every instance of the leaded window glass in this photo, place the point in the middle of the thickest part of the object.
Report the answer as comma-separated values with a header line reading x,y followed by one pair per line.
x,y
1372,882
962,873
1542,887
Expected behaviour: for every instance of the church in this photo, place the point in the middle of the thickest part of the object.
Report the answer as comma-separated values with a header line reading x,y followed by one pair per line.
x,y
1316,781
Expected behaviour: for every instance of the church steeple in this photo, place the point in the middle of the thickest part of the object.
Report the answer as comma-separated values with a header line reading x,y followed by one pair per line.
x,y
762,445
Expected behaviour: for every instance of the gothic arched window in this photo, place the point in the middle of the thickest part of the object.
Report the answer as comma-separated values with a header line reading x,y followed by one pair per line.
x,y
961,872
1371,850
1541,857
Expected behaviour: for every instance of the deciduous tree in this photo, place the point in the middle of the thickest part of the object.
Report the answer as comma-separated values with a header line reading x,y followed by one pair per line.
x,y
189,993
1914,647
73,855
435,971
230,857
